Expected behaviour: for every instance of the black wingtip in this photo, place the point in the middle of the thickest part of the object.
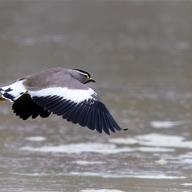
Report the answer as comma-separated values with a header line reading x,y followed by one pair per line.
x,y
107,123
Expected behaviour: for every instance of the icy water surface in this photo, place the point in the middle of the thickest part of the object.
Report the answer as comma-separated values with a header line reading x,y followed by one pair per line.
x,y
139,52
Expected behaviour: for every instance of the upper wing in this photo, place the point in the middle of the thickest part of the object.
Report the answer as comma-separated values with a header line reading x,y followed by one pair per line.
x,y
76,105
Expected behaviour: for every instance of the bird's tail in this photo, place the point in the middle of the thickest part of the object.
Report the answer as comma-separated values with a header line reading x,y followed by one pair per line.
x,y
13,91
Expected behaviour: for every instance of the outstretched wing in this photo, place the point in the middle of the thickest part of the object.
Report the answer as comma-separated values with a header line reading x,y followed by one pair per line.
x,y
76,105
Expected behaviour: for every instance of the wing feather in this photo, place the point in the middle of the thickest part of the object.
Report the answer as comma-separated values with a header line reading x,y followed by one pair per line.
x,y
76,105
25,107
91,113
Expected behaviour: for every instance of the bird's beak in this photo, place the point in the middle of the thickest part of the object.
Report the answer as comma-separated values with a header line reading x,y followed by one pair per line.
x,y
91,80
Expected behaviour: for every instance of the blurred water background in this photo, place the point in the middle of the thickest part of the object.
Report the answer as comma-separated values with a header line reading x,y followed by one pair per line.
x,y
139,52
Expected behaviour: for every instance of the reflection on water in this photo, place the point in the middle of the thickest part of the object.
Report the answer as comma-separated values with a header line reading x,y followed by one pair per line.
x,y
139,52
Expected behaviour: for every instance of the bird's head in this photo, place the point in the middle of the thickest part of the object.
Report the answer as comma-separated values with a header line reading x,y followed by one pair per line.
x,y
83,76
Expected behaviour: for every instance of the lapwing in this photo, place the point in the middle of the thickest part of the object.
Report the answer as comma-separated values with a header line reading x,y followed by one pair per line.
x,y
63,92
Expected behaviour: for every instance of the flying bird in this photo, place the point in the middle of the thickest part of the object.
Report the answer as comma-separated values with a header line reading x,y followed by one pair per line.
x,y
63,92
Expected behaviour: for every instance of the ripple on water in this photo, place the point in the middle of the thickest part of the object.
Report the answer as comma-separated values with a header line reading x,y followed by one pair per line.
x,y
156,140
139,175
79,148
101,148
166,124
185,159
81,162
187,184
101,190
154,176
36,138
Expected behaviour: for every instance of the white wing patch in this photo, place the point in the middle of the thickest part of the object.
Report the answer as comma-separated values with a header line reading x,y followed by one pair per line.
x,y
75,95
13,91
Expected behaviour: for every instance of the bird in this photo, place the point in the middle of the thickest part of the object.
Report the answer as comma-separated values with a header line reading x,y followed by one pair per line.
x,y
63,92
